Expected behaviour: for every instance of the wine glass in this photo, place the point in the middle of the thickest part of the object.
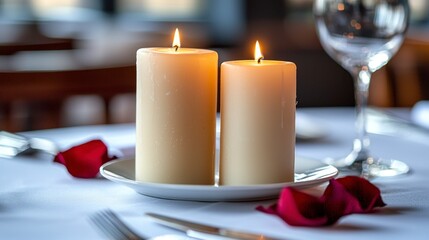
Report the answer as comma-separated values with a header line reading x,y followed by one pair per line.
x,y
362,36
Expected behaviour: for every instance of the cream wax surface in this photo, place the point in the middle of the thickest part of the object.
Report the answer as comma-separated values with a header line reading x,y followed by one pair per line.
x,y
176,115
258,102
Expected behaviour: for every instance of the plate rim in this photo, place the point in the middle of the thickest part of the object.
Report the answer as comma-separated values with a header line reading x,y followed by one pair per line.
x,y
204,189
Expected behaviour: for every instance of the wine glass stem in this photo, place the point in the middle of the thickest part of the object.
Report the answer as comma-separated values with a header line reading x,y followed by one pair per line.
x,y
361,144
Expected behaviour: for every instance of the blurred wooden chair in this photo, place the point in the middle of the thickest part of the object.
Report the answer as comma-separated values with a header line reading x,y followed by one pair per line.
x,y
41,94
410,71
405,79
39,74
9,48
26,36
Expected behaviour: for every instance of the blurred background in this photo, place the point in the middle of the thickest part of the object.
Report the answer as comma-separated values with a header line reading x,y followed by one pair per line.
x,y
72,62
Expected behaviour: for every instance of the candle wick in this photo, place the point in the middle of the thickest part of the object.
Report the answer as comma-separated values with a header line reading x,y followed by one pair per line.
x,y
260,59
176,47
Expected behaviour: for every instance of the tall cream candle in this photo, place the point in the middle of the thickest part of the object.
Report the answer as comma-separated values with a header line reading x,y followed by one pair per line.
x,y
176,115
258,102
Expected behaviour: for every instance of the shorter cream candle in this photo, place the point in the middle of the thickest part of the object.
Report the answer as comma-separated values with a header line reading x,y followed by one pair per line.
x,y
258,99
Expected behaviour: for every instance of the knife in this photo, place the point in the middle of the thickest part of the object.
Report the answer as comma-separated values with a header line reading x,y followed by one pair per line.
x,y
201,231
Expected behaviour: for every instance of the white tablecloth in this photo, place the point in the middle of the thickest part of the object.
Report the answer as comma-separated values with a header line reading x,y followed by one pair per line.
x,y
40,200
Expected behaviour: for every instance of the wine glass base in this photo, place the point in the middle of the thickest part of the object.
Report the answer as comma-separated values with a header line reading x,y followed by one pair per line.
x,y
385,168
368,167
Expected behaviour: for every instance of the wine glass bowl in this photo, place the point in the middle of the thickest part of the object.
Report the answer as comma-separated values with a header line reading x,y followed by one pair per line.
x,y
362,36
361,33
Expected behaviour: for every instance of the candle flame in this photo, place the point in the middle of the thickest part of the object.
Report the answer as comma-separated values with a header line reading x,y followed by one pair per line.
x,y
258,54
176,40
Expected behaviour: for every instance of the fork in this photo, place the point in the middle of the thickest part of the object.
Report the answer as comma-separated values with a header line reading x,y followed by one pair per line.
x,y
112,226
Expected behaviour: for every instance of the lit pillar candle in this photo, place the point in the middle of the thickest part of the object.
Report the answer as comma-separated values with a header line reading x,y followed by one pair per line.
x,y
258,101
176,115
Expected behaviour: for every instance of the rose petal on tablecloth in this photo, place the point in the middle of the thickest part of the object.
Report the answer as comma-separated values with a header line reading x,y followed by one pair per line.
x,y
298,209
366,193
342,197
84,160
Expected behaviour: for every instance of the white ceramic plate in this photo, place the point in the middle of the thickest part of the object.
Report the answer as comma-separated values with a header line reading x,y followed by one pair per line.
x,y
308,173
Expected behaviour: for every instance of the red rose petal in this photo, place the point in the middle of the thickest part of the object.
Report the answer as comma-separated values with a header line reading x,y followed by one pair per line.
x,y
84,161
366,193
343,196
298,209
272,209
338,201
59,158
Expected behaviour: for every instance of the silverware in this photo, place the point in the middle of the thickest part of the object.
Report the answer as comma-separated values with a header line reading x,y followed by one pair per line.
x,y
197,230
114,228
12,144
